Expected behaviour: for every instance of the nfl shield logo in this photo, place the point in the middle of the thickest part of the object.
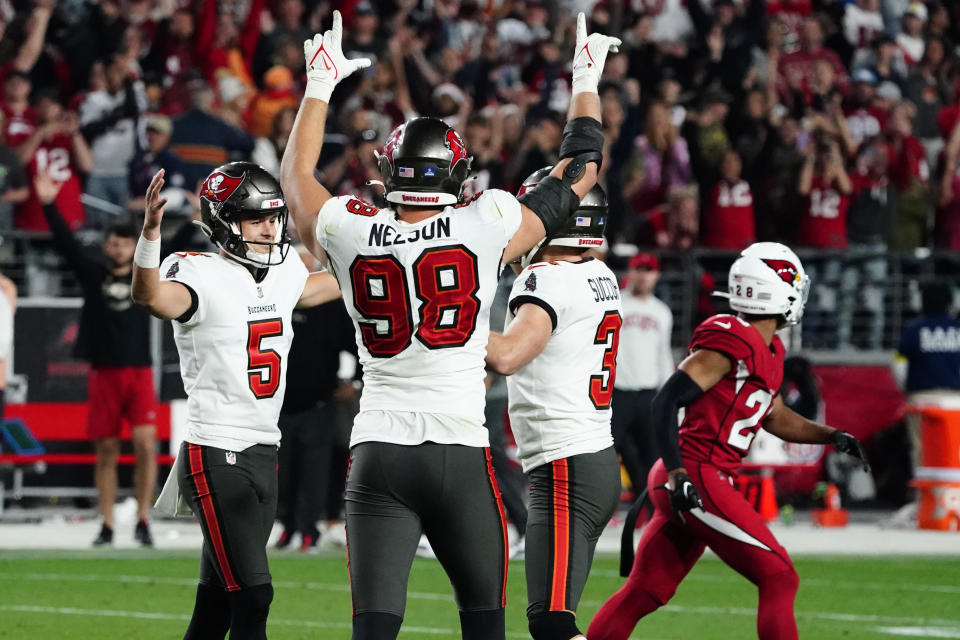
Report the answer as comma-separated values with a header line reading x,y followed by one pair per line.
x,y
231,457
259,292
430,172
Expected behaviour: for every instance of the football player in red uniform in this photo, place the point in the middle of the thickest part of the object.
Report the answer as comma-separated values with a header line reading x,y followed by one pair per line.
x,y
727,387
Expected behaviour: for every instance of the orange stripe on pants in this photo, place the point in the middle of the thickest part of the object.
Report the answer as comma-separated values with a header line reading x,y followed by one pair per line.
x,y
561,534
210,517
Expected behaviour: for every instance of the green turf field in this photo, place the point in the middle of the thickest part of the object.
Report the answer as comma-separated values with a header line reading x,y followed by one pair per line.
x,y
138,595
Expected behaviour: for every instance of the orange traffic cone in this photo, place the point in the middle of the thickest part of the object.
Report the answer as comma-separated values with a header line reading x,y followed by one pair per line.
x,y
768,497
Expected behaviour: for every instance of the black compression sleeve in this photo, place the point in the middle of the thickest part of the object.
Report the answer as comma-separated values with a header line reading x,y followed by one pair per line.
x,y
553,201
678,391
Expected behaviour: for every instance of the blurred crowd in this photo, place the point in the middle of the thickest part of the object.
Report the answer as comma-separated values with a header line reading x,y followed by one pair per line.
x,y
821,123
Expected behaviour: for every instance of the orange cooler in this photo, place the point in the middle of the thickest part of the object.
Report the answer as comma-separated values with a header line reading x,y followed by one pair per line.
x,y
938,478
939,498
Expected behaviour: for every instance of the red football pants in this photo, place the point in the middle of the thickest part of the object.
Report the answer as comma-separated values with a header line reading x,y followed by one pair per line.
x,y
670,546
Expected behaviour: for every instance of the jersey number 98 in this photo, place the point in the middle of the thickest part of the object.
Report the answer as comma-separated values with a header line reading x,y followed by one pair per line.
x,y
446,281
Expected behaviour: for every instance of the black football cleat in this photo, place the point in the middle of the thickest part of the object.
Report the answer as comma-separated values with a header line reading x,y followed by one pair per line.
x,y
105,538
142,534
309,544
284,540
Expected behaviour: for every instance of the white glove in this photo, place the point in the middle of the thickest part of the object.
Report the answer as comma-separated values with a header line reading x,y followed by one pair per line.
x,y
326,64
590,56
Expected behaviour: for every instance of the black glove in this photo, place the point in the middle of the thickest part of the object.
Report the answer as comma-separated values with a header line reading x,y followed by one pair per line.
x,y
684,495
844,442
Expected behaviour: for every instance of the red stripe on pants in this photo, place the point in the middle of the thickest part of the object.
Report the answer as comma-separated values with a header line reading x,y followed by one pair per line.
x,y
561,534
209,516
503,523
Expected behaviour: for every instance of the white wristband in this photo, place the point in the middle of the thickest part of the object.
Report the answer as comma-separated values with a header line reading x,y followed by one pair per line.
x,y
319,90
147,255
585,84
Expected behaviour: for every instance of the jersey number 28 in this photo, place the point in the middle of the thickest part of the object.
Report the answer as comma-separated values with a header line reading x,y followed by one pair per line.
x,y
446,281
743,431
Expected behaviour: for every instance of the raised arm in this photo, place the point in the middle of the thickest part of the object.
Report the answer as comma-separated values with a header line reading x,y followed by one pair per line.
x,y
806,173
547,207
82,155
36,28
66,243
787,424
167,300
326,66
523,340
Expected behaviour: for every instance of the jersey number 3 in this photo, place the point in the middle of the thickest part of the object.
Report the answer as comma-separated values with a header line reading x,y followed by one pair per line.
x,y
601,385
446,281
263,365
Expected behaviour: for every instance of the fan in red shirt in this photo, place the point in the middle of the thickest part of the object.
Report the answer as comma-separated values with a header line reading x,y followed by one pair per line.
x,y
53,146
795,70
791,14
826,187
19,116
728,385
730,221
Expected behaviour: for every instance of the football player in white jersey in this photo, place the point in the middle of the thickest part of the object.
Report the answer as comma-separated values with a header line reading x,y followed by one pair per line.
x,y
559,349
231,313
418,280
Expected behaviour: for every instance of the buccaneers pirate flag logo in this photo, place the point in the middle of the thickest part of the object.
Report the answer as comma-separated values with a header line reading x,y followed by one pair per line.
x,y
219,186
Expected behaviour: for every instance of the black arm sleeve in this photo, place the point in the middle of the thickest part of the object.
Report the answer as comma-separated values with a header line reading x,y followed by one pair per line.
x,y
678,391
67,245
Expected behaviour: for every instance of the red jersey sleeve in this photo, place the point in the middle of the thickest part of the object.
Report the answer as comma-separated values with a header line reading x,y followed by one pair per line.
x,y
728,335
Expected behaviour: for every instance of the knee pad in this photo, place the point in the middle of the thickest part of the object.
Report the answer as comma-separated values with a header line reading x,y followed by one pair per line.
x,y
553,625
376,625
253,601
482,625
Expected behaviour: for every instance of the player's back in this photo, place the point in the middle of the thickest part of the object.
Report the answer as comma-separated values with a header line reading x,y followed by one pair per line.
x,y
560,400
420,294
233,347
719,427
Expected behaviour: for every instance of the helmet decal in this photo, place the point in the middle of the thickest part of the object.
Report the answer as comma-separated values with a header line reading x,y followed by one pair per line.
x,y
787,271
524,188
219,186
455,143
390,146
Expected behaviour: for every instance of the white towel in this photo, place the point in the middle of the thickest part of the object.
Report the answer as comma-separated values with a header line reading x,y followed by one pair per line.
x,y
171,502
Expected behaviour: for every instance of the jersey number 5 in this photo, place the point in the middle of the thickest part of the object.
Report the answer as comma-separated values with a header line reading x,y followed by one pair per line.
x,y
263,365
601,385
446,281
743,431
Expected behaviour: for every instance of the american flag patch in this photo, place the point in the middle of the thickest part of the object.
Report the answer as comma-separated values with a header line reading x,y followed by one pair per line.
x,y
583,222
406,172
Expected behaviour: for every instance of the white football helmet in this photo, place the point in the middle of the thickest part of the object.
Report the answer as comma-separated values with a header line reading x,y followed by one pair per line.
x,y
768,279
